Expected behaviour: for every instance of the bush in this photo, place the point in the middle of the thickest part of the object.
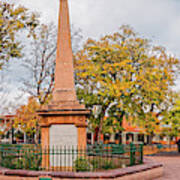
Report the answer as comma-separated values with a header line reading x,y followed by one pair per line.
x,y
102,164
29,159
95,163
82,165
107,165
32,160
8,162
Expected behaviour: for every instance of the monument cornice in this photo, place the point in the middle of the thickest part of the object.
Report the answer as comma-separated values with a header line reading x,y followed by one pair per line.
x,y
61,112
79,121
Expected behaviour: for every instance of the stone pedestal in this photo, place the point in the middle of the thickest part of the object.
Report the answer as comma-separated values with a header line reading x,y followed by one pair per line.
x,y
62,127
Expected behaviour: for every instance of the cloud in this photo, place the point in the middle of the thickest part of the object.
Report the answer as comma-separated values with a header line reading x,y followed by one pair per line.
x,y
157,19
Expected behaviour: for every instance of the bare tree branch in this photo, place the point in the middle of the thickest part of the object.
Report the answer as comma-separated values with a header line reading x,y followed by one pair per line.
x,y
40,64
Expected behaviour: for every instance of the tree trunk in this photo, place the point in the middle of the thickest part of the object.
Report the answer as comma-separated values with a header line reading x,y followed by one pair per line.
x,y
36,138
25,138
100,131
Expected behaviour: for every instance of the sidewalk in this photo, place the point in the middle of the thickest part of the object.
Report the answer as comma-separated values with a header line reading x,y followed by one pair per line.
x,y
171,163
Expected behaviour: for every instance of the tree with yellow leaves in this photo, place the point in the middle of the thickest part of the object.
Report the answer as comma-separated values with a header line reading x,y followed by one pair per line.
x,y
171,120
127,76
13,19
27,119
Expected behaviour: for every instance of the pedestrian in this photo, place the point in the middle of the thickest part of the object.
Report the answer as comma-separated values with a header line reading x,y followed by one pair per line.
x,y
178,145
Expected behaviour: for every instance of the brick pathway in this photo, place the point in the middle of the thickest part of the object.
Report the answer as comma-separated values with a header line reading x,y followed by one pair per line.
x,y
171,166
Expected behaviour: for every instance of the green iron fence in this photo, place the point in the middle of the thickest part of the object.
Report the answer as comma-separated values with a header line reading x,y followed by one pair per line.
x,y
92,158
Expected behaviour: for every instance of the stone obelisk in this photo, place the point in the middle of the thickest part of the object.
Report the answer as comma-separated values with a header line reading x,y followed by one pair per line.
x,y
64,119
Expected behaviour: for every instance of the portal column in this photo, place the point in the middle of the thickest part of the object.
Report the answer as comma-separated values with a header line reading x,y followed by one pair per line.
x,y
45,146
135,137
123,137
82,138
145,138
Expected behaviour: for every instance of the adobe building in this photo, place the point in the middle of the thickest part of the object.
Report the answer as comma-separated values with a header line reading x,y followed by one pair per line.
x,y
6,131
64,119
131,133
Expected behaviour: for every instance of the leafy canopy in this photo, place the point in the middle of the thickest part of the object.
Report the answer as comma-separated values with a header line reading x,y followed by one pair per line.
x,y
172,119
126,75
13,19
27,118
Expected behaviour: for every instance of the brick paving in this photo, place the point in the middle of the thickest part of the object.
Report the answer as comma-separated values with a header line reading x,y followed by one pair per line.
x,y
171,166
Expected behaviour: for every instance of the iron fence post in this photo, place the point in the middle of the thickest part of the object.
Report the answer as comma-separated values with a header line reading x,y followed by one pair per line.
x,y
141,153
132,154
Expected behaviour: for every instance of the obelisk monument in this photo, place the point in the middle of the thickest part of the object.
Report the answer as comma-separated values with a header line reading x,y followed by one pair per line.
x,y
64,119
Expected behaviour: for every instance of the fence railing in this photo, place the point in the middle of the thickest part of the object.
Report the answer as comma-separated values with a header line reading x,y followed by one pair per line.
x,y
91,158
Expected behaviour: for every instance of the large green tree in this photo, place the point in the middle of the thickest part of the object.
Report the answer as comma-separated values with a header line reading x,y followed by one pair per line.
x,y
127,76
171,119
13,19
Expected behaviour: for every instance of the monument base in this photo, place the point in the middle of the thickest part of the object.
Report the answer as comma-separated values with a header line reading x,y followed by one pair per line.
x,y
77,118
62,128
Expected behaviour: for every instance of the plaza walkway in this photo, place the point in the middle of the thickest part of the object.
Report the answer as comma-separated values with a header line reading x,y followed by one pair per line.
x,y
171,164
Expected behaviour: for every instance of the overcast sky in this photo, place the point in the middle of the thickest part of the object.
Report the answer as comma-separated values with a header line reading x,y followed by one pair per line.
x,y
158,20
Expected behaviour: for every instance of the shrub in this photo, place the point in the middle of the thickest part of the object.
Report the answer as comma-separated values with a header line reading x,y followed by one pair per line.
x,y
29,159
95,163
32,160
102,164
82,165
107,165
8,162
